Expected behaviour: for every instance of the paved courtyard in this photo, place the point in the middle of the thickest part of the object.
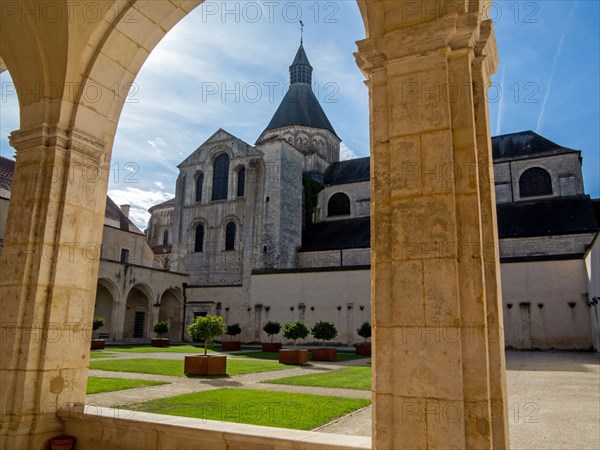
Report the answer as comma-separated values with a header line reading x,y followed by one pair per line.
x,y
554,397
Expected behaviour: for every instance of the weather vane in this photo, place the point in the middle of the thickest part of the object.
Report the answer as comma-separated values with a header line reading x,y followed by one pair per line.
x,y
301,32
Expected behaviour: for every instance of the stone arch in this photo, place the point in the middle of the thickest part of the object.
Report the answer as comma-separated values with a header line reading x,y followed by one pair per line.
x,y
339,204
138,313
535,182
107,299
170,312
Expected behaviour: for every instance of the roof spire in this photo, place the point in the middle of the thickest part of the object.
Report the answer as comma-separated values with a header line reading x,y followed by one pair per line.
x,y
301,70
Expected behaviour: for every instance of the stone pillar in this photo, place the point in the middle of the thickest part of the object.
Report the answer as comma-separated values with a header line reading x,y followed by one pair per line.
x,y
49,277
436,370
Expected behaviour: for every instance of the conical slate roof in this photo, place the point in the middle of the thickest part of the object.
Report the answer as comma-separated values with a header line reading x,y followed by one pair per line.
x,y
300,105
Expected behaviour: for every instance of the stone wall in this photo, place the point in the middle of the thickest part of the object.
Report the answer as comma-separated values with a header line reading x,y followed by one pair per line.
x,y
335,258
360,200
574,244
592,265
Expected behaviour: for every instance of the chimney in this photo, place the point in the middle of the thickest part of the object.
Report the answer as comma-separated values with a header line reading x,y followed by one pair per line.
x,y
125,210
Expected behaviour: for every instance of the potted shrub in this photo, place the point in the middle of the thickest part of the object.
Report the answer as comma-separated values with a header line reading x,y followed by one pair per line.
x,y
294,331
97,344
232,330
271,328
364,331
206,329
160,328
325,331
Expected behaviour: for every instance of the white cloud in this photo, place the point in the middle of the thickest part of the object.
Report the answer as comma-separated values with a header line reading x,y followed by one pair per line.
x,y
159,185
140,201
347,153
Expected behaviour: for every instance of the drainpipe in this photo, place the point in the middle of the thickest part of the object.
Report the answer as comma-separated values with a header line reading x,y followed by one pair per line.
x,y
184,287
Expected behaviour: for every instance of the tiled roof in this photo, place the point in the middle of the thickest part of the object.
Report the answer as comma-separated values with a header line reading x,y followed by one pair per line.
x,y
524,144
351,171
338,234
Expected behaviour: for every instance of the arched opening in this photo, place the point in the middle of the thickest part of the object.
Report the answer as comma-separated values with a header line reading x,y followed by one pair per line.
x,y
220,177
535,182
241,182
104,307
170,312
199,239
338,205
137,317
230,236
166,237
199,181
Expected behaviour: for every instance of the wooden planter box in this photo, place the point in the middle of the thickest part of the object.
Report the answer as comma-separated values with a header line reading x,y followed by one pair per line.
x,y
324,354
231,345
288,356
160,342
98,344
205,365
271,346
363,349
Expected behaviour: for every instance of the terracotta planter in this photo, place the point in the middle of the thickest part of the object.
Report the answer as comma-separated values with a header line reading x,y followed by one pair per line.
x,y
205,365
231,345
271,346
324,354
160,342
363,349
62,442
288,356
98,344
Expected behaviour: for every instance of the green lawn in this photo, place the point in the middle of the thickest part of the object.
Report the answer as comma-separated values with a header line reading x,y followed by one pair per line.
x,y
96,385
175,367
177,348
273,409
346,378
341,356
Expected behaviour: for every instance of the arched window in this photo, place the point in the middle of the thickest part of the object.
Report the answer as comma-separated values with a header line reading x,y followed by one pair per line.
x,y
339,205
220,177
535,182
241,182
199,180
230,236
199,240
166,237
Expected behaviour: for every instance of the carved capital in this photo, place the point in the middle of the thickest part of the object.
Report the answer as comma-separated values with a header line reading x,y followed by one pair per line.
x,y
56,135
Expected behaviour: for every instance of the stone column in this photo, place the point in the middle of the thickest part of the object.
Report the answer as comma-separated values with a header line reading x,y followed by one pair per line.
x,y
432,292
49,276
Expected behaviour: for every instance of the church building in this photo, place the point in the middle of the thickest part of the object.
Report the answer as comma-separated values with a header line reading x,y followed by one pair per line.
x,y
280,230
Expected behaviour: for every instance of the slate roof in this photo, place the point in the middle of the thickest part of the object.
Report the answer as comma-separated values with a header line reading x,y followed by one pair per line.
x,y
7,168
556,216
525,144
351,171
301,59
170,202
338,234
113,216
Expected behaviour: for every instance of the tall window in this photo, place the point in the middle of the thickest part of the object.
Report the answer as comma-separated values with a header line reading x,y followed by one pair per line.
x,y
535,182
339,205
124,256
220,177
230,236
166,237
241,182
199,180
199,239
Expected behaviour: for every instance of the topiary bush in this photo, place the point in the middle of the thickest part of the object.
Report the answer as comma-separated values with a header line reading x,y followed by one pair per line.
x,y
324,331
233,330
206,329
97,323
272,328
161,327
294,331
364,331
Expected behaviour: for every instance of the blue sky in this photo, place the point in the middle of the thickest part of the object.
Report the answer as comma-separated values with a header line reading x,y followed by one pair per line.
x,y
226,66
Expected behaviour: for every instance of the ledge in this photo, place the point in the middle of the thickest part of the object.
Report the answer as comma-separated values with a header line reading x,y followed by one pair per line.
x,y
97,427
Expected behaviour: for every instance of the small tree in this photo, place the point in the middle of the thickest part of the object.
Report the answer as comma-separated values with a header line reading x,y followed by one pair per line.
x,y
272,328
364,331
161,327
206,329
97,323
233,330
294,331
325,331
